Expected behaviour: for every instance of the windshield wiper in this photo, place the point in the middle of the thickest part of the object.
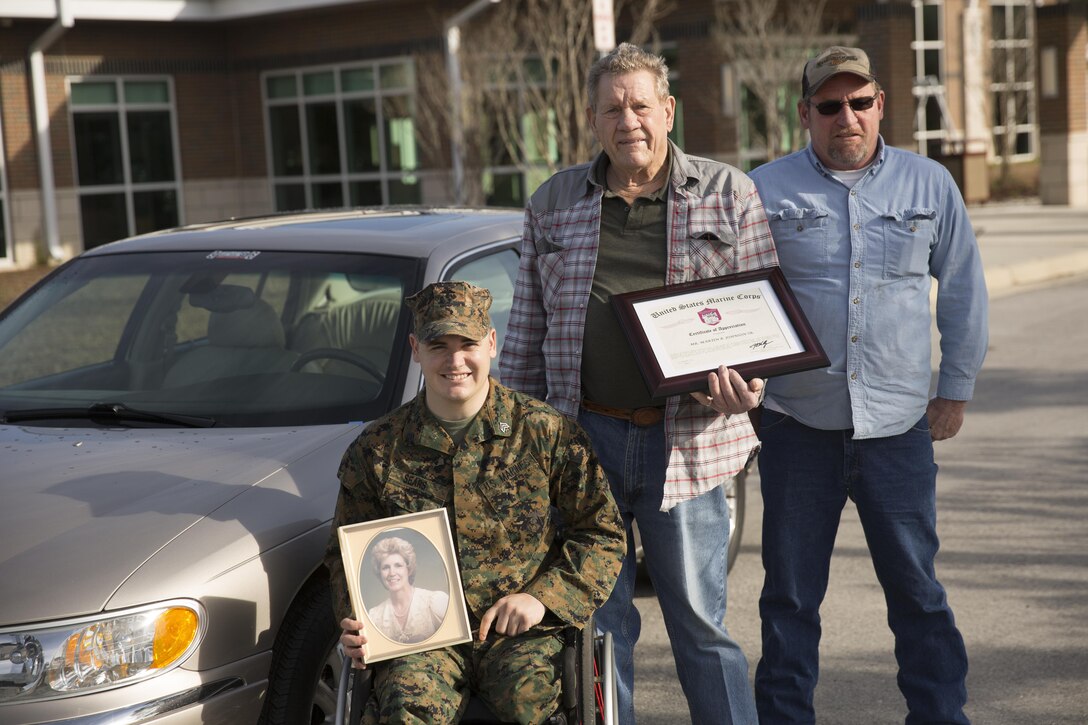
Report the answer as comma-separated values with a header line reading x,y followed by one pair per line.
x,y
109,414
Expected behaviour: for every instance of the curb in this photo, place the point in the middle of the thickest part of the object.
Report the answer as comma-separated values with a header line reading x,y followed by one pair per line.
x,y
1006,280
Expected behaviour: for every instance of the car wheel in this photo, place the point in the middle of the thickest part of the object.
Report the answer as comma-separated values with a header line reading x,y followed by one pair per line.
x,y
735,495
305,664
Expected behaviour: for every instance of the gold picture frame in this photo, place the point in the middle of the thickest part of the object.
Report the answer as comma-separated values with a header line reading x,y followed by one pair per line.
x,y
390,634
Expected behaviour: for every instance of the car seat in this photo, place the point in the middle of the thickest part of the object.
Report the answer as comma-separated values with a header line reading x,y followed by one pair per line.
x,y
244,337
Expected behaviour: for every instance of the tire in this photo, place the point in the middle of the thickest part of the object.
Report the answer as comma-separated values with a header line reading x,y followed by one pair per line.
x,y
586,675
736,495
306,664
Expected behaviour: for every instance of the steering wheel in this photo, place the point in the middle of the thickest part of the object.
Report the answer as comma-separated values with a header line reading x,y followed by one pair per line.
x,y
335,353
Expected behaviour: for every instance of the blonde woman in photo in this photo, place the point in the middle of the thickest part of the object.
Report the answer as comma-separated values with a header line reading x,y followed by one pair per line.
x,y
411,614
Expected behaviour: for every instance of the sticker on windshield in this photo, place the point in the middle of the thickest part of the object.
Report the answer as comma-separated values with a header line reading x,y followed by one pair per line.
x,y
222,254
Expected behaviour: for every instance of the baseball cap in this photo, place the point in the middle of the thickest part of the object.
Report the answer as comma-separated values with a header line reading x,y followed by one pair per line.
x,y
832,61
450,308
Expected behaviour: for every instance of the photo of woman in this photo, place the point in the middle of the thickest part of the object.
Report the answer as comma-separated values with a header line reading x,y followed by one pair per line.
x,y
410,614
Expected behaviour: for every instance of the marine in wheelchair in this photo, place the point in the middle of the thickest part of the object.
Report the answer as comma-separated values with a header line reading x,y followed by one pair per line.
x,y
538,538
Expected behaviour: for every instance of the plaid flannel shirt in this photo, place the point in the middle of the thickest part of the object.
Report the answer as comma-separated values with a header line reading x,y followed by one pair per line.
x,y
716,227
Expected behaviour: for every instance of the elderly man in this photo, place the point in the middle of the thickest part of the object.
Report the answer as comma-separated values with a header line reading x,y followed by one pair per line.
x,y
644,214
539,539
860,229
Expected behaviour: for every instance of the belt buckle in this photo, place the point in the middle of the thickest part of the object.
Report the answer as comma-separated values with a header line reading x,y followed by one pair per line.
x,y
645,417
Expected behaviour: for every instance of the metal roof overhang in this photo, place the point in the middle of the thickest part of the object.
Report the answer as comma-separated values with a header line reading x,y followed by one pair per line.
x,y
161,10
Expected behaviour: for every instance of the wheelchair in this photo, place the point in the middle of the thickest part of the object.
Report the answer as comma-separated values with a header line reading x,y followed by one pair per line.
x,y
588,685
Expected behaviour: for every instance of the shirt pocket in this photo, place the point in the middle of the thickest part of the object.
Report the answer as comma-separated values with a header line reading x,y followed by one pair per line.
x,y
520,499
909,235
550,269
802,240
406,493
712,249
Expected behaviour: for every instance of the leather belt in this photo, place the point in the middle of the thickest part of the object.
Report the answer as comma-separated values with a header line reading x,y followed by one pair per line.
x,y
642,417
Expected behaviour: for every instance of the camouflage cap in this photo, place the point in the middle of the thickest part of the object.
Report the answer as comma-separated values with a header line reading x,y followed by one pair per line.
x,y
450,308
831,62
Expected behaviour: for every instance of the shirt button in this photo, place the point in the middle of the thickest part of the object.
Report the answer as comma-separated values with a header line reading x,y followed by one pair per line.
x,y
800,227
913,228
854,338
853,376
857,265
857,300
853,193
856,227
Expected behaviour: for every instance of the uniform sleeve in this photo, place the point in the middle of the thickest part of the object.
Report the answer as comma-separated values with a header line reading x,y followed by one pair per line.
x,y
521,366
962,306
356,502
583,575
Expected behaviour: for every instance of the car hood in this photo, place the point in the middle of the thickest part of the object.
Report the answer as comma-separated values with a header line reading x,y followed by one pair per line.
x,y
82,509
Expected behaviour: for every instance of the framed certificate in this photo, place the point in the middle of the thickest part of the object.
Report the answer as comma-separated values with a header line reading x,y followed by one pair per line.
x,y
404,584
750,322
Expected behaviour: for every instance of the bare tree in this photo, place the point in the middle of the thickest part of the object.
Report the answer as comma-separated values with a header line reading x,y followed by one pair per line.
x,y
768,42
434,120
524,65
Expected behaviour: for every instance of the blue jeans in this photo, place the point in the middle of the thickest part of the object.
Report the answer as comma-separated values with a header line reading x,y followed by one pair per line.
x,y
685,552
806,476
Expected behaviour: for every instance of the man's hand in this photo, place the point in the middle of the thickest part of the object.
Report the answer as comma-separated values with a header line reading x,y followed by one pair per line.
x,y
353,640
513,614
729,394
945,417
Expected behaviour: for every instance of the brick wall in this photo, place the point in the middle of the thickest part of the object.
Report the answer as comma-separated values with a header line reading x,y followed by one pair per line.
x,y
886,32
1065,28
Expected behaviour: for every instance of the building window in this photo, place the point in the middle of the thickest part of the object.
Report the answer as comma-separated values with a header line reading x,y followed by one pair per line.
x,y
520,134
126,156
757,140
1012,87
934,130
342,135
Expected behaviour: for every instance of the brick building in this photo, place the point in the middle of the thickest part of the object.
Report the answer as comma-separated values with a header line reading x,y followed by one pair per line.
x,y
125,116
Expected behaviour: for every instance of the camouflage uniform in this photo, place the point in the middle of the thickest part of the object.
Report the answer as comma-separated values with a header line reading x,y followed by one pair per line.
x,y
524,475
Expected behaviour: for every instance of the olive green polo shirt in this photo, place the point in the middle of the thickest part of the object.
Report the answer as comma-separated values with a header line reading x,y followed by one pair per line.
x,y
631,257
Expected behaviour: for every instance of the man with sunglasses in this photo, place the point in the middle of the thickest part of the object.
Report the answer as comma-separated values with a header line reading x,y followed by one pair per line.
x,y
861,228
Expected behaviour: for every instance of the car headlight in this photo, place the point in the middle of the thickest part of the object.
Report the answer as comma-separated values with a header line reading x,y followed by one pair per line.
x,y
88,654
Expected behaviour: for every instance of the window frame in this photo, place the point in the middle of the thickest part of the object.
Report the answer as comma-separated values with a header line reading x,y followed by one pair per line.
x,y
121,107
1014,84
527,171
339,97
925,90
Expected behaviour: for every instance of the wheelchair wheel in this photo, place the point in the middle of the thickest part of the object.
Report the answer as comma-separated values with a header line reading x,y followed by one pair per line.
x,y
587,689
597,678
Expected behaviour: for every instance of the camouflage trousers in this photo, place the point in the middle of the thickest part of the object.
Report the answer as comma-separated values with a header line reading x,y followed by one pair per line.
x,y
518,678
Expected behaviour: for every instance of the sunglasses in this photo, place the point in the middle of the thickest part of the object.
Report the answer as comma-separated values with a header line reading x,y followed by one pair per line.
x,y
830,108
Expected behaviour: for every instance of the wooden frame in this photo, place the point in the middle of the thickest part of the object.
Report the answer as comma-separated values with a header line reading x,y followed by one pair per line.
x,y
750,322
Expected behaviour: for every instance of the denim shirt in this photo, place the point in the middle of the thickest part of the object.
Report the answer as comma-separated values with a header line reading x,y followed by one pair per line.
x,y
860,261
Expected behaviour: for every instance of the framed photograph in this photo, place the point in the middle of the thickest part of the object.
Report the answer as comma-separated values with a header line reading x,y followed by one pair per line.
x,y
404,583
750,322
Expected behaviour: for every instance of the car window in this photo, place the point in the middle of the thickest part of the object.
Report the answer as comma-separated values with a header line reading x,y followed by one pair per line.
x,y
496,271
270,338
81,326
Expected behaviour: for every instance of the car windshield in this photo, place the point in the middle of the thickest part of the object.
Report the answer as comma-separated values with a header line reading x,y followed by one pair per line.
x,y
232,339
